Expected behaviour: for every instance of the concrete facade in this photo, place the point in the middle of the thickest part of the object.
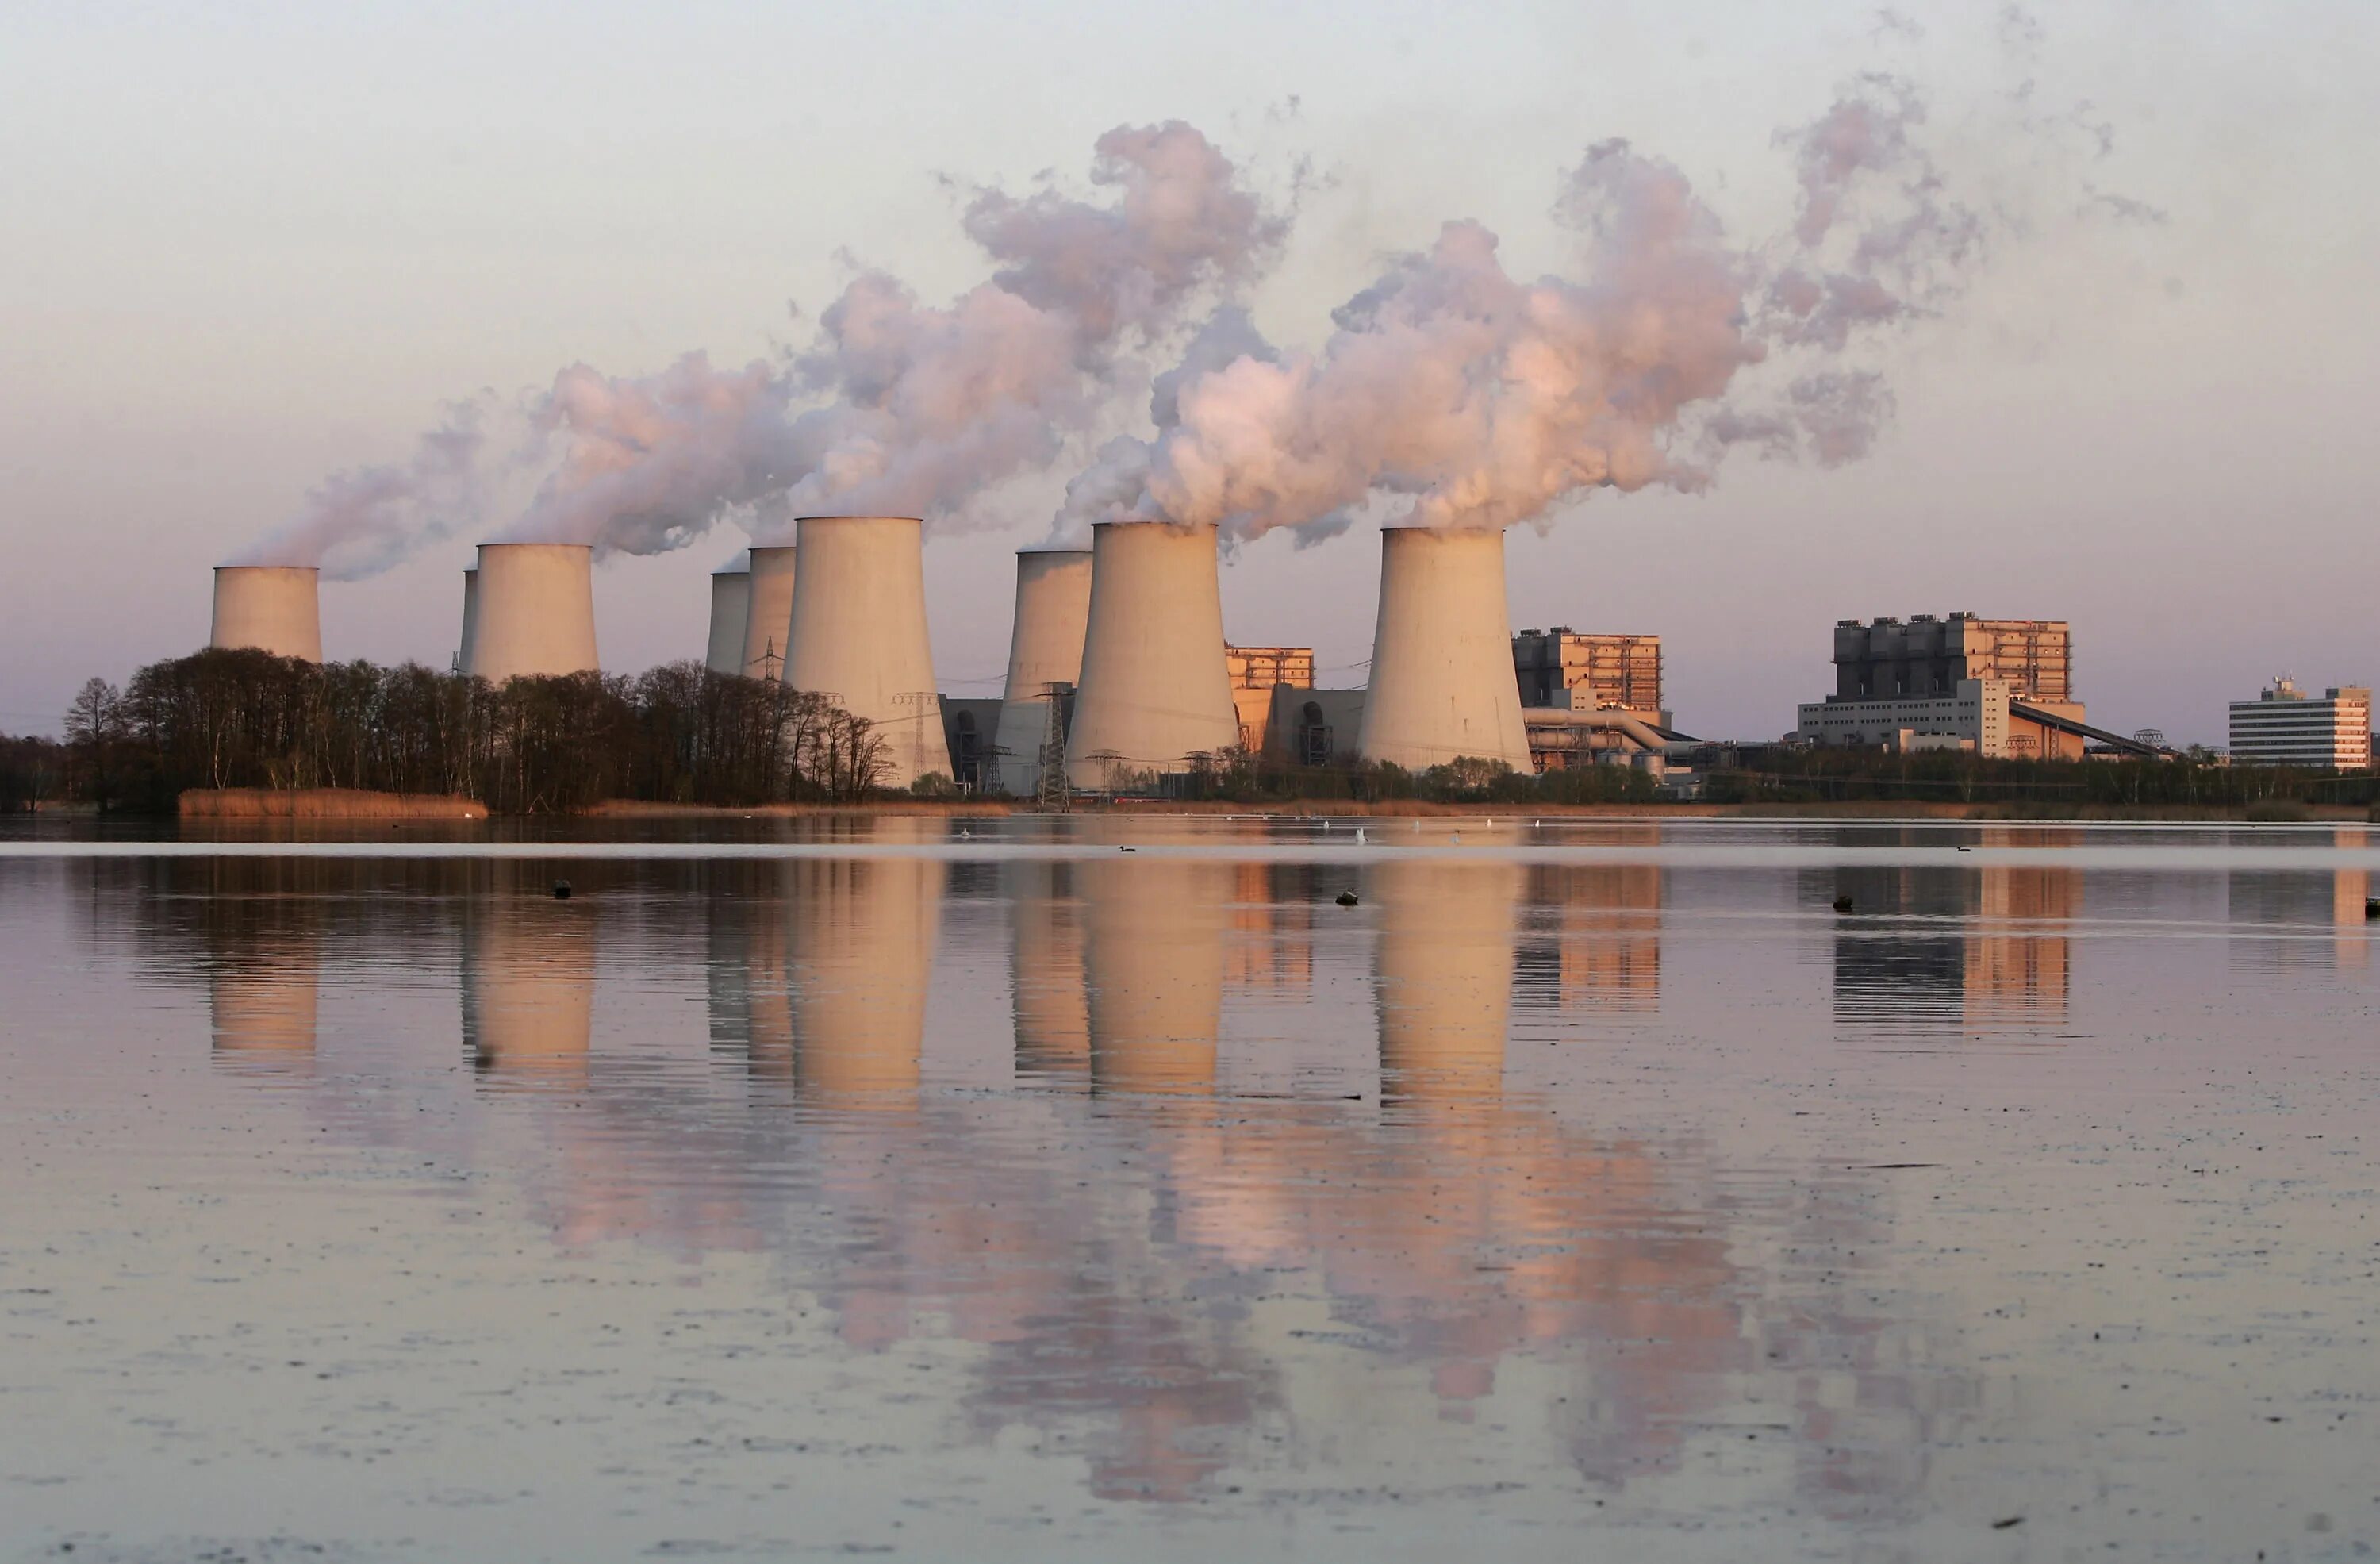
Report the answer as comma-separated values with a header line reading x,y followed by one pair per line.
x,y
1589,671
1442,686
859,634
1153,691
1926,657
2286,726
536,611
1306,727
1045,648
768,612
970,725
731,612
1975,716
470,619
1254,672
274,608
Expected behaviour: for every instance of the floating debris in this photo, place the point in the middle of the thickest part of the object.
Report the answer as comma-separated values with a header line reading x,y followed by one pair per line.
x,y
561,890
1346,898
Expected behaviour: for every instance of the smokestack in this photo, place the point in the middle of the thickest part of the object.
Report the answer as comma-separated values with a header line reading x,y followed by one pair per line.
x,y
536,612
731,611
768,614
1045,647
274,608
859,634
1153,691
1442,683
471,618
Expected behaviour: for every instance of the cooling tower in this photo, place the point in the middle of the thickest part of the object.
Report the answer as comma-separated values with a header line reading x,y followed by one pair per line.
x,y
731,610
471,618
1153,691
859,635
274,608
769,613
1444,974
536,612
1442,683
1153,967
1045,647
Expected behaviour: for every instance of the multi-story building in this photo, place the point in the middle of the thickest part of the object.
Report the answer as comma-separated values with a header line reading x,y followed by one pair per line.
x,y
1892,660
1566,668
1254,671
2001,688
2286,726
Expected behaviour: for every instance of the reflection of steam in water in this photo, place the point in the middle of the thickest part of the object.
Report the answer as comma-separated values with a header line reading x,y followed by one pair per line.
x,y
529,979
1444,974
1045,971
1153,971
1950,946
1594,936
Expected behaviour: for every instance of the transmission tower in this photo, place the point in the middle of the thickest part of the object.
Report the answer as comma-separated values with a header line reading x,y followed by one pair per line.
x,y
1049,790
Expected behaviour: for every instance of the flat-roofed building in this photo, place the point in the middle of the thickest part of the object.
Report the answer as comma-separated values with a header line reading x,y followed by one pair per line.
x,y
2285,726
1890,659
1254,671
1596,670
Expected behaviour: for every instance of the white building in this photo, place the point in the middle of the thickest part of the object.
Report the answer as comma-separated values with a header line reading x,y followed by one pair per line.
x,y
2286,726
1974,716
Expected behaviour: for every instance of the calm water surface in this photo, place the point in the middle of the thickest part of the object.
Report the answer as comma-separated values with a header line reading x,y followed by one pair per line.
x,y
1586,1191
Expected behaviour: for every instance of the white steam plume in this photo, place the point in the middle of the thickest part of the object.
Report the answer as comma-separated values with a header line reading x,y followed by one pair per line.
x,y
360,522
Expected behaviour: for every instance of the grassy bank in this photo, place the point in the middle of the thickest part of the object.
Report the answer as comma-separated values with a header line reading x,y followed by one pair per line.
x,y
324,803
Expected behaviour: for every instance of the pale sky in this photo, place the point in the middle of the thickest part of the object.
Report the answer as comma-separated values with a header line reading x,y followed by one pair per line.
x,y
246,245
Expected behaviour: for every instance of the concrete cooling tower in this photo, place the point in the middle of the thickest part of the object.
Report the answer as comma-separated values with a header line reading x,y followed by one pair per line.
x,y
859,634
731,611
769,613
1154,690
1045,647
274,608
1442,683
471,618
536,611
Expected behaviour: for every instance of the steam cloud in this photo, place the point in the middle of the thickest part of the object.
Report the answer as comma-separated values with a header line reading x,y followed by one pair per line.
x,y
1468,397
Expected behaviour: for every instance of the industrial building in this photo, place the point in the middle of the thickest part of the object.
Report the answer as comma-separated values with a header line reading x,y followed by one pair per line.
x,y
970,729
1255,673
2285,726
1590,671
2003,689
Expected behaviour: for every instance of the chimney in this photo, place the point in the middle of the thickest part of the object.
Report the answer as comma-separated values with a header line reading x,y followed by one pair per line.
x,y
731,610
1045,647
769,613
536,611
471,618
1443,681
274,608
1154,690
859,634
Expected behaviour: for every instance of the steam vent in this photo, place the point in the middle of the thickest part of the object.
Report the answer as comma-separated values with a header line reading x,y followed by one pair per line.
x,y
1053,608
1442,680
1154,690
769,613
536,612
859,634
274,608
731,610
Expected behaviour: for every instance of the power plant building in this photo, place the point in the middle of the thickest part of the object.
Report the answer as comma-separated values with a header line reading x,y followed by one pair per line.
x,y
2285,726
2003,689
1592,672
1254,671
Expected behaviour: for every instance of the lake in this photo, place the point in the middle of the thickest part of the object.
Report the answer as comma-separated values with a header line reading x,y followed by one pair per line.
x,y
1093,1188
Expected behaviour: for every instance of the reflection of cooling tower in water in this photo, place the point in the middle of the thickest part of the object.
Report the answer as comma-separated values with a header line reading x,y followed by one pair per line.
x,y
261,1002
859,940
1153,971
1045,970
529,985
751,1012
1445,976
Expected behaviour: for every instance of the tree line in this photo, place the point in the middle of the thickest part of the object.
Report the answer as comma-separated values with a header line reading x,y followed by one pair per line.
x,y
221,718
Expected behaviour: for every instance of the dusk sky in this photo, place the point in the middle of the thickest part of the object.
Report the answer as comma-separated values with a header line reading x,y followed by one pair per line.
x,y
247,246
